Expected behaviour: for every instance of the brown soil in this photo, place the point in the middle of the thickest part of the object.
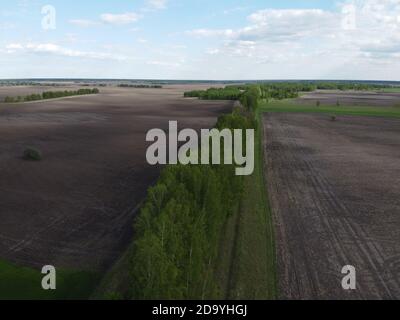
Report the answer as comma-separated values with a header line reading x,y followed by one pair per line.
x,y
335,193
351,98
75,208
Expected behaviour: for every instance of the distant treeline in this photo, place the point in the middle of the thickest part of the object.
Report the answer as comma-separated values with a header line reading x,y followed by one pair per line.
x,y
50,95
177,232
228,93
22,83
350,86
141,86
275,91
278,90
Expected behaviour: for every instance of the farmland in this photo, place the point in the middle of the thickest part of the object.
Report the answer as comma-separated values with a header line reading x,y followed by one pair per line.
x,y
333,181
324,194
75,208
334,188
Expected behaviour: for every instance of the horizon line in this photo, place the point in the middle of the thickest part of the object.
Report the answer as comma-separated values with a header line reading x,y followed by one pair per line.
x,y
191,80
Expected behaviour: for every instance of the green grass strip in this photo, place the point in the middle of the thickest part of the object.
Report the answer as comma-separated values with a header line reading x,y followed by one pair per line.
x,y
292,106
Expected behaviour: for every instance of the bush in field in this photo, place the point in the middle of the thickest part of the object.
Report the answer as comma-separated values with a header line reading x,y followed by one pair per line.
x,y
318,103
33,97
9,99
333,118
338,103
32,154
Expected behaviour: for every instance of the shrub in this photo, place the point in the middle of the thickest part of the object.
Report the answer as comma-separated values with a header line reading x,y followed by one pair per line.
x,y
318,103
333,118
32,154
9,99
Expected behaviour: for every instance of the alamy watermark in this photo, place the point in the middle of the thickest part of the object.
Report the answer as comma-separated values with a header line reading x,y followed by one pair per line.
x,y
349,17
238,147
349,280
49,280
49,19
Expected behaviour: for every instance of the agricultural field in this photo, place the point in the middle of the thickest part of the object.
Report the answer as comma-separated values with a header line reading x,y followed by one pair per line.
x,y
74,209
324,194
334,188
387,97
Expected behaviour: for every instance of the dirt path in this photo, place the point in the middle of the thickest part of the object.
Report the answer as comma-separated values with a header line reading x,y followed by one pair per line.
x,y
335,193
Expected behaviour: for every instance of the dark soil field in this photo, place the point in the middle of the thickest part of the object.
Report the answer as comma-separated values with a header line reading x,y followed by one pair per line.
x,y
351,98
75,208
335,194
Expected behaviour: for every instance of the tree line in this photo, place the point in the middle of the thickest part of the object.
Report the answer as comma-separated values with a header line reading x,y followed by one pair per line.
x,y
278,90
228,93
50,95
177,232
141,86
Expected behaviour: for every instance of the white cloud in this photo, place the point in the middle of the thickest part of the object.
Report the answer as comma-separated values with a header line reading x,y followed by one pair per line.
x,y
275,25
164,64
157,4
84,23
233,10
213,51
51,48
287,24
120,19
306,31
14,46
211,32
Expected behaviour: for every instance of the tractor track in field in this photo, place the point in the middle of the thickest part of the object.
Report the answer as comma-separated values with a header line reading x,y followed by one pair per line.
x,y
75,208
316,225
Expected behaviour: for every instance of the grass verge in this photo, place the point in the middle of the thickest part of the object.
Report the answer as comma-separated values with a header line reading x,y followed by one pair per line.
x,y
246,267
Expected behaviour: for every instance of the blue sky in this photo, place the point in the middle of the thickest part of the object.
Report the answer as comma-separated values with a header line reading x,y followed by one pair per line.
x,y
201,39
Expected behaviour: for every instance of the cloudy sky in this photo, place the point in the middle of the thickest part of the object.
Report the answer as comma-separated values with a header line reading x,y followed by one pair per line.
x,y
200,39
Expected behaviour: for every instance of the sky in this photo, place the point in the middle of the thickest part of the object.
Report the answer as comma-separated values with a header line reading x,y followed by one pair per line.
x,y
200,39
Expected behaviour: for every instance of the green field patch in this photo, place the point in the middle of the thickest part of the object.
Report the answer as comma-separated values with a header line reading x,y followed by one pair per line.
x,y
292,106
22,283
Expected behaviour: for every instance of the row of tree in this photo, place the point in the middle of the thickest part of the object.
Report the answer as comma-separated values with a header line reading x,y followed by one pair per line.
x,y
177,232
256,91
50,95
307,86
228,93
141,86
